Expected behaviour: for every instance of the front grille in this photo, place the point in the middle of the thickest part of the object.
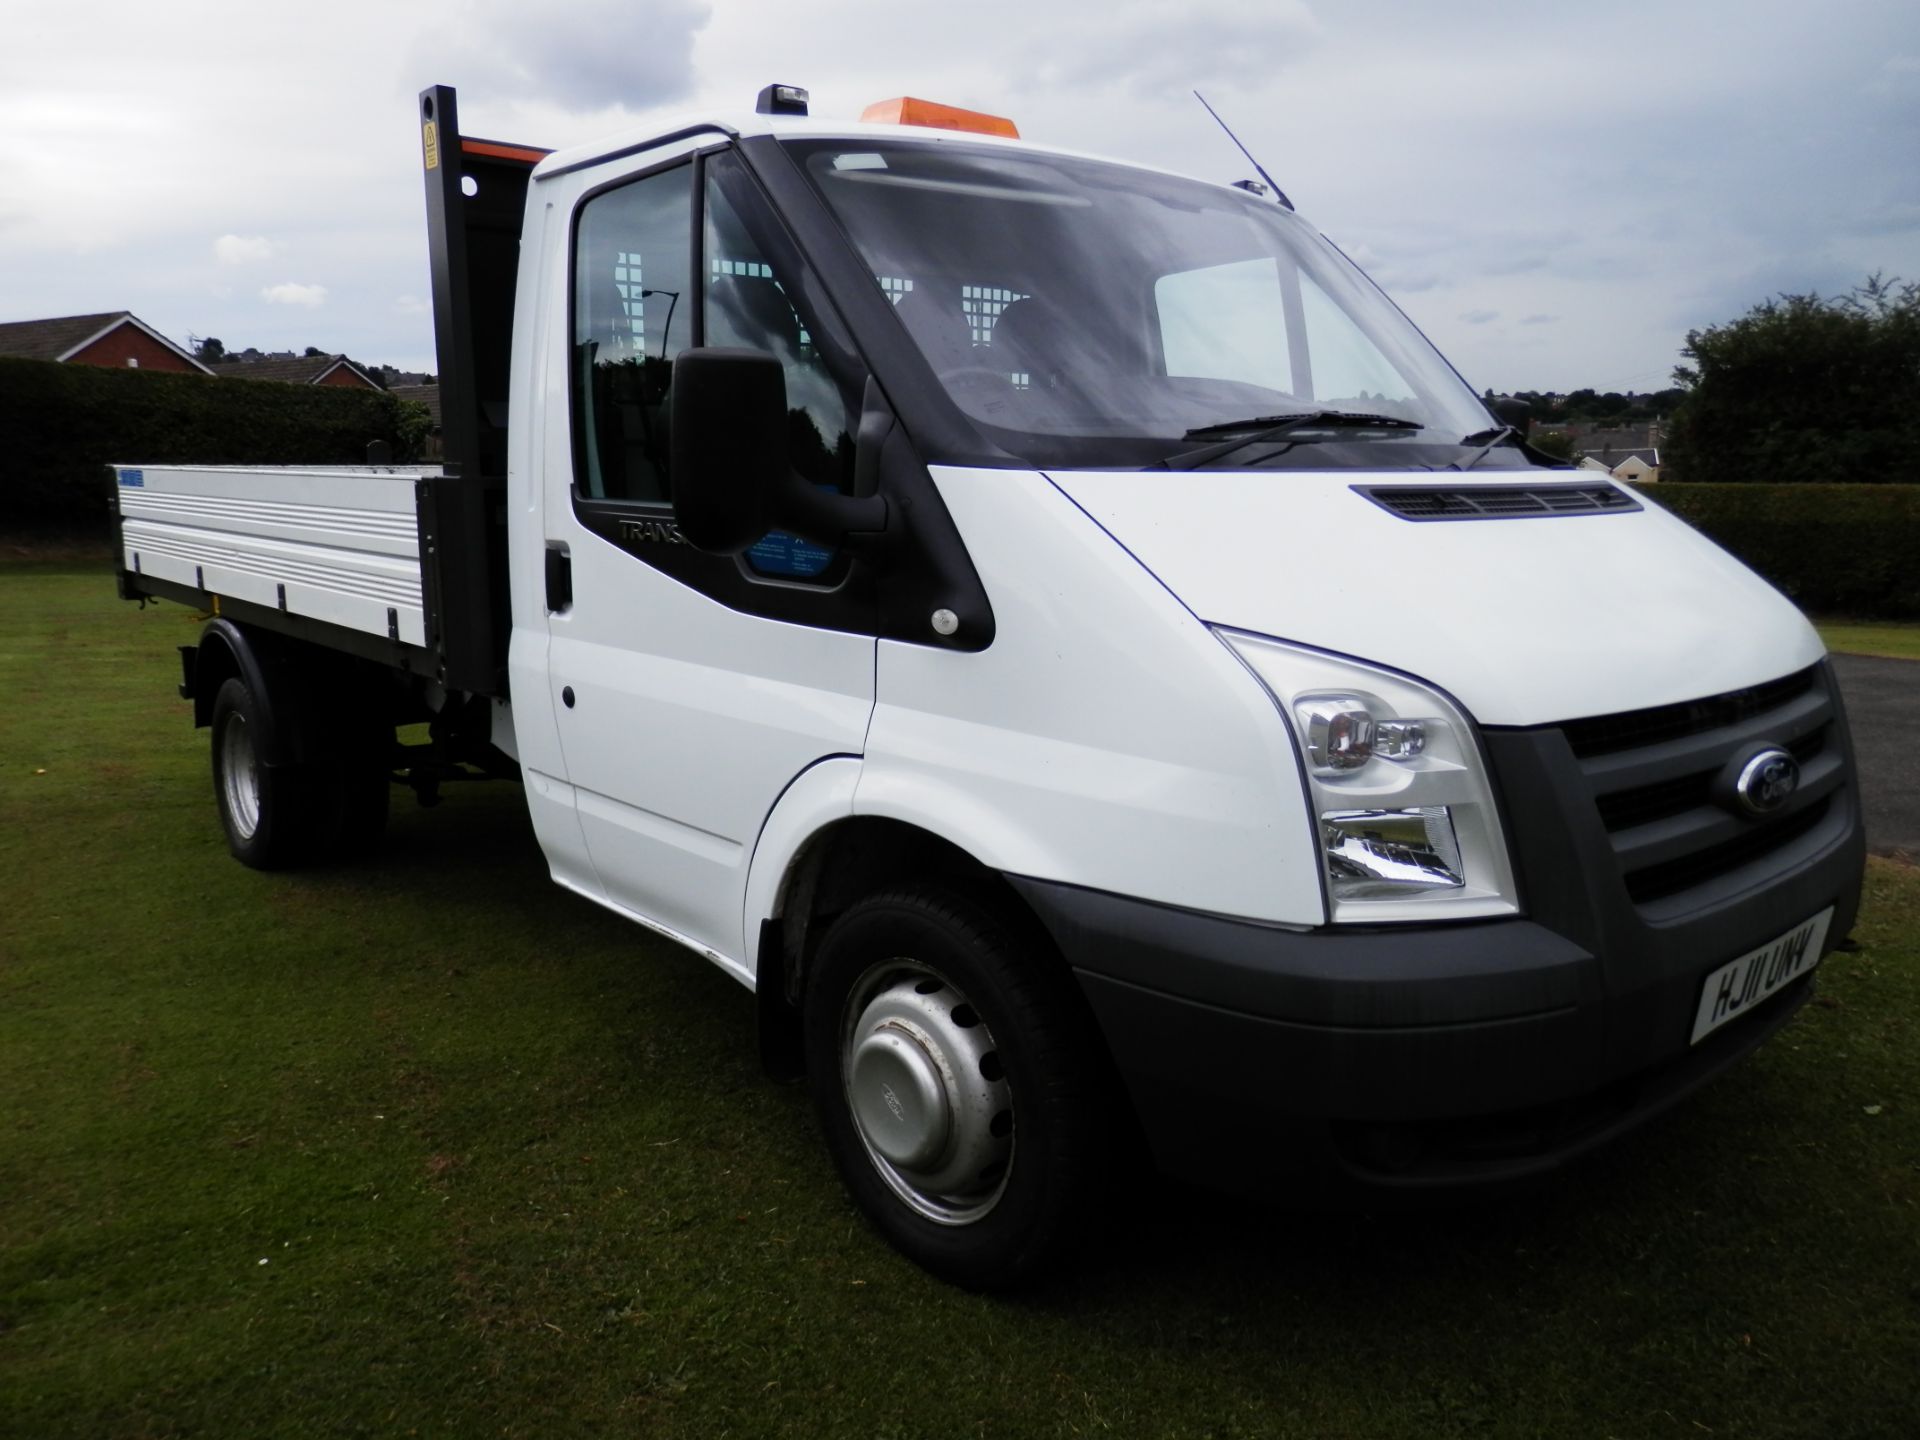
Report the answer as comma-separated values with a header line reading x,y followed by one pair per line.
x,y
1657,882
1498,502
1623,809
1657,780
1604,734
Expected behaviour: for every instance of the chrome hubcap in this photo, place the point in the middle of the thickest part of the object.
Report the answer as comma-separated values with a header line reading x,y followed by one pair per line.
x,y
239,779
927,1092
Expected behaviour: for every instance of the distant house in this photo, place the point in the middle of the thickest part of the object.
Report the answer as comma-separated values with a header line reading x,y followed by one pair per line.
x,y
429,396
118,339
1627,453
301,370
1640,466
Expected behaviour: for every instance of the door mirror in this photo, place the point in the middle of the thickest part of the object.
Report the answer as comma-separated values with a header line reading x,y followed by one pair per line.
x,y
731,479
728,446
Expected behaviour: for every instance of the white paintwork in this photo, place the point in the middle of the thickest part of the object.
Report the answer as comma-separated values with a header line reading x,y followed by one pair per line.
x,y
344,540
690,719
1104,739
533,395
820,797
1526,622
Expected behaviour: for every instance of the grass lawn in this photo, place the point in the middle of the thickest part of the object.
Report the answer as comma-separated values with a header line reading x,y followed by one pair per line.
x,y
431,1147
1891,638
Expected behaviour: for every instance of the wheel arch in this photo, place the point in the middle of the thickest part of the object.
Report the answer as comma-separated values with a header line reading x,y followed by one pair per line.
x,y
307,696
830,867
227,652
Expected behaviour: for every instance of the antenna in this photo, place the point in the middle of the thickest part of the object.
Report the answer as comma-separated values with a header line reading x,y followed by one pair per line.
x,y
1278,193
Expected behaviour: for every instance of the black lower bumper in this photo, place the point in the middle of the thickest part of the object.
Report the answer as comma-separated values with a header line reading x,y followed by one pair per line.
x,y
1308,1065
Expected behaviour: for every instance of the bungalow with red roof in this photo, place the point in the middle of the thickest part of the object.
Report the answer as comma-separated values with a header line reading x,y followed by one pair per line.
x,y
117,338
301,370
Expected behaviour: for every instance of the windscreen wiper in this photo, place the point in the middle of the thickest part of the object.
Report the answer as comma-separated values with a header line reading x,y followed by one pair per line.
x,y
1272,427
1487,440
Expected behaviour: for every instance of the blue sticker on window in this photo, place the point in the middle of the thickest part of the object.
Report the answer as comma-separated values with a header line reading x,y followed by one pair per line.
x,y
789,557
133,479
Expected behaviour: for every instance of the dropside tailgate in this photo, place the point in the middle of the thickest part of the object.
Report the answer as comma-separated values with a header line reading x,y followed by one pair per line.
x,y
337,544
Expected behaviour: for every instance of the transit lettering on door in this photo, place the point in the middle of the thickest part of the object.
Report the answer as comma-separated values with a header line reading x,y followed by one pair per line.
x,y
663,530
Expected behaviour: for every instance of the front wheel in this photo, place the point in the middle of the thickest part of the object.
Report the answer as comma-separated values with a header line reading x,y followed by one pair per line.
x,y
957,1081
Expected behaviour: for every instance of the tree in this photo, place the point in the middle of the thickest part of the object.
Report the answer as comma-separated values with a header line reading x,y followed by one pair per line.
x,y
1558,444
209,351
1806,389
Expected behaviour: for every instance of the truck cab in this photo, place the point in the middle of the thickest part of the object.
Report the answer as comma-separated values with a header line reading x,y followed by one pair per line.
x,y
1057,633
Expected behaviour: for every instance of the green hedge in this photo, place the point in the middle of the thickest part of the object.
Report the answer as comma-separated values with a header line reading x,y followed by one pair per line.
x,y
61,425
1850,550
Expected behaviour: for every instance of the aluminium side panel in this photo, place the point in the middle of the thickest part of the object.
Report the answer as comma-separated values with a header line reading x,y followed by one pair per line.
x,y
337,544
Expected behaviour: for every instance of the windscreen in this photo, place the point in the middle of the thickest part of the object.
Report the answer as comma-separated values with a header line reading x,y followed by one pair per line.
x,y
1092,314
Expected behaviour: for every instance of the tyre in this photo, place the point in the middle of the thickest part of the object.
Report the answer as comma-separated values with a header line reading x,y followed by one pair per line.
x,y
957,1081
360,781
275,816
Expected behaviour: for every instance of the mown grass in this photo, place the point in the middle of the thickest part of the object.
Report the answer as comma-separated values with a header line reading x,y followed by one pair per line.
x,y
1892,639
512,1170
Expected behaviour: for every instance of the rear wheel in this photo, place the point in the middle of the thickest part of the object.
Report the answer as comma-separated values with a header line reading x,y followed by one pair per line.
x,y
275,816
956,1079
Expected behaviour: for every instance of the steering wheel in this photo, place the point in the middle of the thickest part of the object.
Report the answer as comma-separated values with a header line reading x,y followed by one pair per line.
x,y
980,381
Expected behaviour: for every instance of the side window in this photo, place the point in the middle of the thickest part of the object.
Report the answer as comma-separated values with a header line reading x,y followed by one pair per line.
x,y
1226,322
632,313
1249,320
749,304
1348,368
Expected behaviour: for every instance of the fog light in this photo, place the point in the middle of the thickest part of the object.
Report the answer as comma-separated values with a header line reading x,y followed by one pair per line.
x,y
1385,854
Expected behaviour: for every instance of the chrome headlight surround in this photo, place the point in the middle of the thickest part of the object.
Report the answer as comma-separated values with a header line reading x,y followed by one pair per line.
x,y
1403,805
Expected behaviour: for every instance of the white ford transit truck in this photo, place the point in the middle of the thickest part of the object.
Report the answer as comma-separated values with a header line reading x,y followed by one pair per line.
x,y
1060,636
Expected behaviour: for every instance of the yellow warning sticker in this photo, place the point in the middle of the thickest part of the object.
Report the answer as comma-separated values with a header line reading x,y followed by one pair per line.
x,y
430,138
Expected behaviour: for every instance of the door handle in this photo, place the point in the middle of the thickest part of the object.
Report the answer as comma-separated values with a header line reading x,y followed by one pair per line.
x,y
559,579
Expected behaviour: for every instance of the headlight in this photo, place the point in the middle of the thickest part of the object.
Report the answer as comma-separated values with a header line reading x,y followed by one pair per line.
x,y
1406,823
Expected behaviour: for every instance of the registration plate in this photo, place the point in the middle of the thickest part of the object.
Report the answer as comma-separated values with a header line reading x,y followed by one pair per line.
x,y
1740,985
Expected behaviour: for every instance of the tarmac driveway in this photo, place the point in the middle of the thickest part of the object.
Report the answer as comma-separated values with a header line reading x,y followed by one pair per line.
x,y
1883,710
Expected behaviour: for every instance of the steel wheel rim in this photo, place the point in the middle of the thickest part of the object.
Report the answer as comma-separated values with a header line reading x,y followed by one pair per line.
x,y
928,1096
239,777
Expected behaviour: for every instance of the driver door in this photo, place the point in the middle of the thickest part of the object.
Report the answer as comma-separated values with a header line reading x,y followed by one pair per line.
x,y
691,689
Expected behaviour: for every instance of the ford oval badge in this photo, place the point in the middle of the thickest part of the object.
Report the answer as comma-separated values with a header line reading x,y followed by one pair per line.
x,y
1766,781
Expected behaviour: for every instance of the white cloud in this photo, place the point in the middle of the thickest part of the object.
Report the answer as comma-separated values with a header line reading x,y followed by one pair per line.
x,y
410,305
242,249
290,293
1454,150
586,55
1155,49
1480,317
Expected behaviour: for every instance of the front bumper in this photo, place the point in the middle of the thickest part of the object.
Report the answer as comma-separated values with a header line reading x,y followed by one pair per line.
x,y
1312,1063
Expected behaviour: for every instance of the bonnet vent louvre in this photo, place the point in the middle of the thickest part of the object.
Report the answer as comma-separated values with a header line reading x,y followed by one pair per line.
x,y
1498,502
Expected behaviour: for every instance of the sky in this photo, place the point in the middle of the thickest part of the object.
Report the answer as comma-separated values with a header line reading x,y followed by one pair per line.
x,y
1556,193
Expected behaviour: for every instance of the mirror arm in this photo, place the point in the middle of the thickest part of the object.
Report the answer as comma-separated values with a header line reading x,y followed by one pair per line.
x,y
829,518
863,522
